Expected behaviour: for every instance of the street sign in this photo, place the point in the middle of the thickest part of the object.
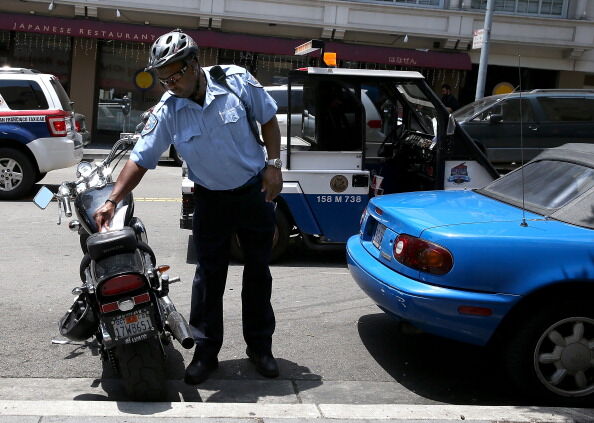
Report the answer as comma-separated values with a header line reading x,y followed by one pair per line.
x,y
478,37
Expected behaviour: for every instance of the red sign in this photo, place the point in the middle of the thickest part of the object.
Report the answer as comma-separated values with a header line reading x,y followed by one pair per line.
x,y
242,42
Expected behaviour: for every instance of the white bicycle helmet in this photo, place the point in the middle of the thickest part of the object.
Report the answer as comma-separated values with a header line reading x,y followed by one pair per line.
x,y
171,47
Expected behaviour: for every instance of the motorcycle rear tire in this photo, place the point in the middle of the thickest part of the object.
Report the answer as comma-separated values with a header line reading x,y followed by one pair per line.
x,y
142,368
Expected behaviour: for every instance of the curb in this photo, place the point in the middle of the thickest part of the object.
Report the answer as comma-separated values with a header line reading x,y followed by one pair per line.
x,y
169,410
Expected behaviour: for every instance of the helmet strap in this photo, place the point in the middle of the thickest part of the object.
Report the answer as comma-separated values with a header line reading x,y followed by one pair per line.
x,y
196,91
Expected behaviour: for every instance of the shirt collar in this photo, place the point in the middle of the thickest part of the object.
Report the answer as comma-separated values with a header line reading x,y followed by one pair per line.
x,y
212,89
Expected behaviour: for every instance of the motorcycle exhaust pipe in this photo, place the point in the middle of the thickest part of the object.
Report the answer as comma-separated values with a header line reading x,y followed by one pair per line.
x,y
180,329
177,323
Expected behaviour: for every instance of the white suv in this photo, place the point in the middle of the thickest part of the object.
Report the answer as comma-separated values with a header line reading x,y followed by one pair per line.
x,y
37,130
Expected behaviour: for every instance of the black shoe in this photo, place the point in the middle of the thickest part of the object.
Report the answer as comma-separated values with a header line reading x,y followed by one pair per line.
x,y
199,370
265,363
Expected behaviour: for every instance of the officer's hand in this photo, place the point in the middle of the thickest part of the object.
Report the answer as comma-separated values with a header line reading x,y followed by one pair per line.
x,y
272,182
103,216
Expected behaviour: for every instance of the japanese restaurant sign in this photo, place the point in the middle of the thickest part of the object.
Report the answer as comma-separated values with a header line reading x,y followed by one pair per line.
x,y
79,28
243,42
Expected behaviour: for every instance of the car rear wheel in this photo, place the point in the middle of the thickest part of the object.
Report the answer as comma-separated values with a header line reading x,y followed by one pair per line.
x,y
551,354
17,174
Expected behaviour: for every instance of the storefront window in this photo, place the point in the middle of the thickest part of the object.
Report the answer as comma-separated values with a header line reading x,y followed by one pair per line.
x,y
45,53
125,91
556,8
267,69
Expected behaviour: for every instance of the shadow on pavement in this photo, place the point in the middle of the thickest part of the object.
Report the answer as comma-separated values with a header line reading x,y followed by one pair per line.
x,y
297,255
234,381
435,368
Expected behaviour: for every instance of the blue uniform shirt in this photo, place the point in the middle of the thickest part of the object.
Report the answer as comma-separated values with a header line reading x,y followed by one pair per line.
x,y
215,140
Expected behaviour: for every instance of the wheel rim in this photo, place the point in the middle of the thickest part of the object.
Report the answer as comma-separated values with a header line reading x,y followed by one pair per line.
x,y
564,357
11,174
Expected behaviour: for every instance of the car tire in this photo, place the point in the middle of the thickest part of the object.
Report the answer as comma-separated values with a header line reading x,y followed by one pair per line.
x,y
175,156
17,174
550,353
280,241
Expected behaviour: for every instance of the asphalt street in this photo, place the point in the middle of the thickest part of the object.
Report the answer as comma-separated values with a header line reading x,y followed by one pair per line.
x,y
334,346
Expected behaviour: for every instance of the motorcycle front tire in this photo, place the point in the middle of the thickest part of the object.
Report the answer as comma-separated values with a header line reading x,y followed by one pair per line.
x,y
142,368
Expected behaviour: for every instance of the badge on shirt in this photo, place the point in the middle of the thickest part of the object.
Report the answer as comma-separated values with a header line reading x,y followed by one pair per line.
x,y
253,81
150,124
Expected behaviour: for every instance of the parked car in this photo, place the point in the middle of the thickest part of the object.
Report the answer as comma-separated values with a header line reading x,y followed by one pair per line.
x,y
510,266
116,116
37,132
80,124
520,125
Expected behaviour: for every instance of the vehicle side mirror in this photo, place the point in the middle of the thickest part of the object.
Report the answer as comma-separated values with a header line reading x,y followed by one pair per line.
x,y
493,119
43,198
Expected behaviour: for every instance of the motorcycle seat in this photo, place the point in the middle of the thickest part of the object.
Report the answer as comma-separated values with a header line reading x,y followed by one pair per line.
x,y
100,245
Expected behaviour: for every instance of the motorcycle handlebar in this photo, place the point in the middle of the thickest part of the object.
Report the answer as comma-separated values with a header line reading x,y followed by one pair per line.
x,y
126,140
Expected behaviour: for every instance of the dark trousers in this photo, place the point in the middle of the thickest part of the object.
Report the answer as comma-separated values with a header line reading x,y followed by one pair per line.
x,y
217,216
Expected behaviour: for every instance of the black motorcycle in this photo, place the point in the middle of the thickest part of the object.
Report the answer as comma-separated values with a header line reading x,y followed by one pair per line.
x,y
123,299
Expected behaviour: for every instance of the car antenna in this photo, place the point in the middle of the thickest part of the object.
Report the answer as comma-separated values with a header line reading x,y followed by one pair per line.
x,y
524,223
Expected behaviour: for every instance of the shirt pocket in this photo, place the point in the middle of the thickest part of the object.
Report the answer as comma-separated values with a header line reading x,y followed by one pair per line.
x,y
185,134
182,141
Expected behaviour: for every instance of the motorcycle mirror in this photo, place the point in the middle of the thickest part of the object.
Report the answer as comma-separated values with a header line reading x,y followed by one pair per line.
x,y
43,198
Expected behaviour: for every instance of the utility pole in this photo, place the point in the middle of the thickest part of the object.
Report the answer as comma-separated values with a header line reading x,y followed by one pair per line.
x,y
484,61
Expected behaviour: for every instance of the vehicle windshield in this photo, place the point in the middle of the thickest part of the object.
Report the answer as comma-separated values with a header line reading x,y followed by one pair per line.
x,y
425,112
546,185
468,111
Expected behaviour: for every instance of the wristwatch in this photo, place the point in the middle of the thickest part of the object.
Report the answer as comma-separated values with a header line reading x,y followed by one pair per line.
x,y
278,163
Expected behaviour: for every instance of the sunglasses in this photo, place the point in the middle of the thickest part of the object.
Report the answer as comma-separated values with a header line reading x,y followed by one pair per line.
x,y
173,78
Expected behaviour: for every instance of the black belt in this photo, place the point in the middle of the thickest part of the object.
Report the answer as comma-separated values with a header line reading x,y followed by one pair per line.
x,y
251,183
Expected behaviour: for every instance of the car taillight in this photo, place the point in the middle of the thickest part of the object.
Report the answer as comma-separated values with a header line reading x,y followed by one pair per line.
x,y
77,126
375,124
363,216
122,284
422,255
57,125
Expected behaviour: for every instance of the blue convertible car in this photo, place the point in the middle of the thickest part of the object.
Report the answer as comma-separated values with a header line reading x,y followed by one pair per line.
x,y
511,264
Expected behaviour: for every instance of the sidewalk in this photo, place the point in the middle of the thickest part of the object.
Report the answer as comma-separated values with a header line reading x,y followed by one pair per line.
x,y
250,401
167,412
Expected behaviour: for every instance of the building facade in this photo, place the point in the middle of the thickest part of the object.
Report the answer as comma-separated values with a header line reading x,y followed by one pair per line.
x,y
98,48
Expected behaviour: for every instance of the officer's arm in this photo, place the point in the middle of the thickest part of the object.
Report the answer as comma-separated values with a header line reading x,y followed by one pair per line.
x,y
271,137
272,181
129,177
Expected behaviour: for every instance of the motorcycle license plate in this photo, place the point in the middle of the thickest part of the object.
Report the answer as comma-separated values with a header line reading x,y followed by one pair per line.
x,y
132,324
378,235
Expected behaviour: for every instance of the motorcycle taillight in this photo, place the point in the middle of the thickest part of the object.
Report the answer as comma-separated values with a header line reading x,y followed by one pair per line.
x,y
122,284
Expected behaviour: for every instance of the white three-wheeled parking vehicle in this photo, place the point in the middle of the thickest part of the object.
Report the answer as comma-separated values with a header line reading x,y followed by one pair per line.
x,y
363,133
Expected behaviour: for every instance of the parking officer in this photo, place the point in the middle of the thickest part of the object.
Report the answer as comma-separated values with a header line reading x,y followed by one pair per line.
x,y
235,185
